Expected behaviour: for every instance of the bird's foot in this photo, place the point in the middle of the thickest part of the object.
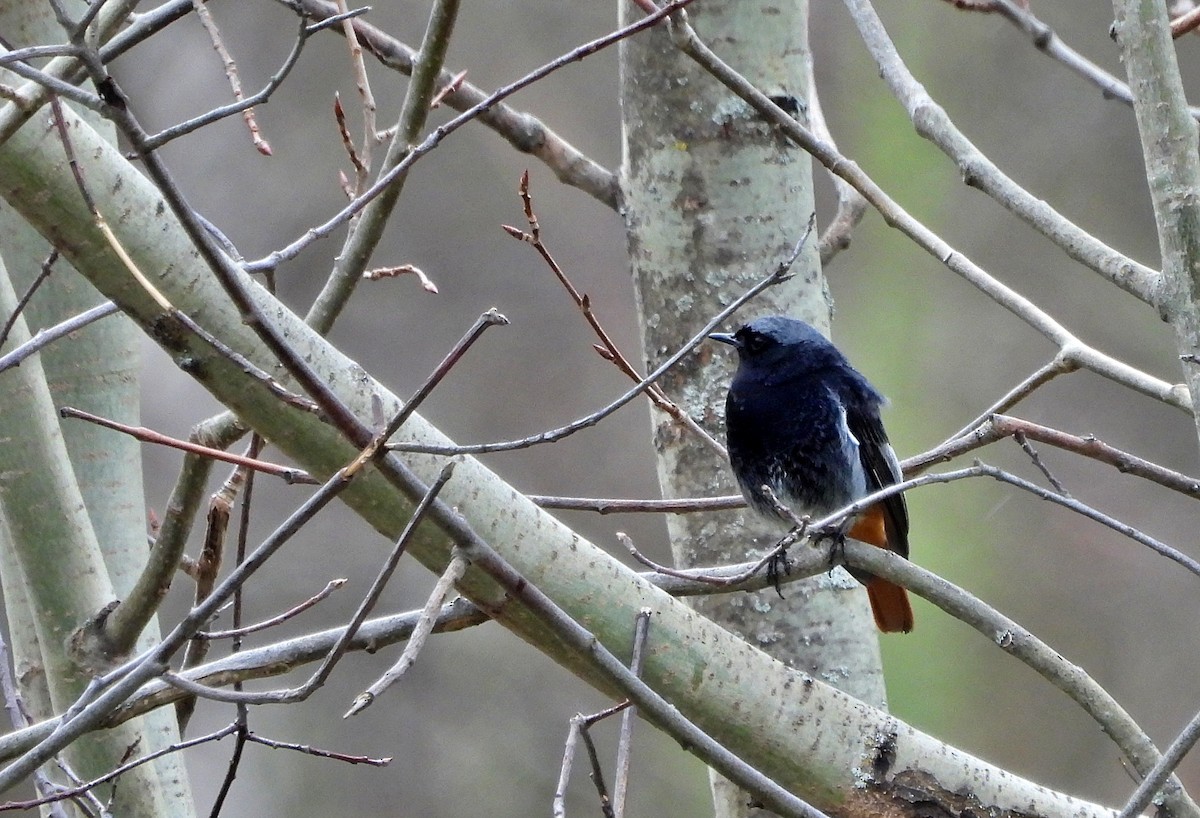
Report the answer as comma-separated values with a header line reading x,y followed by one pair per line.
x,y
778,566
837,547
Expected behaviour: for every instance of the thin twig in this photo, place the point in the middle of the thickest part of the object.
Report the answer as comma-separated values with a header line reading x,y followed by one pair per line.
x,y
367,228
289,474
361,162
346,633
64,794
156,141
491,318
579,725
524,132
999,427
597,772
441,589
231,73
235,760
449,88
1046,40
278,619
1058,365
607,348
1154,780
851,206
601,505
558,804
780,274
44,337
385,572
1122,270
442,131
314,751
23,301
1027,447
205,570
402,269
625,736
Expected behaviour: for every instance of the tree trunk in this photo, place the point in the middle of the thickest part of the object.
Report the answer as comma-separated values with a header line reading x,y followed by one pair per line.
x,y
714,199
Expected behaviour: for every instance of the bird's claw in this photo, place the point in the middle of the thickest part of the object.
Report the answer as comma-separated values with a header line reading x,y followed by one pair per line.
x,y
778,561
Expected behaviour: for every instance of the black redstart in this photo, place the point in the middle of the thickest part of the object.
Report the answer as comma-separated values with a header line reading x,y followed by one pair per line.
x,y
801,420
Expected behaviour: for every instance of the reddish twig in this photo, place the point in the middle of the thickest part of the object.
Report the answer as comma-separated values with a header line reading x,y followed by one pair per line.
x,y
1185,22
23,301
607,347
288,473
64,794
363,83
449,88
360,167
231,72
314,751
999,427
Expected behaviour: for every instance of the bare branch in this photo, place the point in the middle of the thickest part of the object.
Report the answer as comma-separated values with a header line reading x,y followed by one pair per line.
x,y
624,739
362,82
437,597
932,122
523,131
607,348
1069,346
44,337
1153,781
231,73
778,275
290,613
66,793
244,105
367,227
313,751
680,505
23,301
289,474
441,132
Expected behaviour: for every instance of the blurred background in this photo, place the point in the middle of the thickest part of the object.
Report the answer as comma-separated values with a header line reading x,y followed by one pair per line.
x,y
480,722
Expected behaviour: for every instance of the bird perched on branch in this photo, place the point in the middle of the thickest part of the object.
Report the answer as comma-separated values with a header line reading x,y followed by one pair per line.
x,y
802,421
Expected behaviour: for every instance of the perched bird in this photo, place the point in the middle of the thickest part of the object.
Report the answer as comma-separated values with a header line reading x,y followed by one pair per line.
x,y
802,421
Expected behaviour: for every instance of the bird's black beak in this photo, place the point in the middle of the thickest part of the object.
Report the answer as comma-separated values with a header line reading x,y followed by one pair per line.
x,y
725,338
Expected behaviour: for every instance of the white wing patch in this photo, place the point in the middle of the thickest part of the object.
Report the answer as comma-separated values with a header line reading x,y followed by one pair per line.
x,y
847,434
857,479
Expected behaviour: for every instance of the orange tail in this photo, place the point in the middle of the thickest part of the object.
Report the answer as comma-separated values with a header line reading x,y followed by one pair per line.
x,y
889,604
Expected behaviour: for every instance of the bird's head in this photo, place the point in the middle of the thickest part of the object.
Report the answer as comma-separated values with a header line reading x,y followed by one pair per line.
x,y
780,344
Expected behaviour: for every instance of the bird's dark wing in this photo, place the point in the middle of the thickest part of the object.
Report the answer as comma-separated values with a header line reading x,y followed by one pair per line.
x,y
881,469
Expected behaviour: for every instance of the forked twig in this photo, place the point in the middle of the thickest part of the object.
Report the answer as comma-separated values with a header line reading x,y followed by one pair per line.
x,y
437,597
777,276
607,347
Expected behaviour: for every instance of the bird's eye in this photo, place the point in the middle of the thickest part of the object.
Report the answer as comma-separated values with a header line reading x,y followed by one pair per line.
x,y
756,342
